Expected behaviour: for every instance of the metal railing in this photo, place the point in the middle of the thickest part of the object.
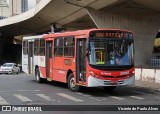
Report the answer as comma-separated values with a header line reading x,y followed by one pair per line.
x,y
155,62
2,17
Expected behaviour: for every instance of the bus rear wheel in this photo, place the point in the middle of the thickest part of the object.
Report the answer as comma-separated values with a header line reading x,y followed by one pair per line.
x,y
109,88
37,76
71,83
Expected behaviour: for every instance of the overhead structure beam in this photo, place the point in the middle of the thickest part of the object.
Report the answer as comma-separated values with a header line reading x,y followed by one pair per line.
x,y
142,21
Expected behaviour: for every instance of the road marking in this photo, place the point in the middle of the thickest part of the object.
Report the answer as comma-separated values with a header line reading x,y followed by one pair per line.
x,y
157,97
22,98
69,97
94,98
141,93
21,91
156,92
83,94
45,97
79,93
3,101
86,95
117,98
140,98
27,90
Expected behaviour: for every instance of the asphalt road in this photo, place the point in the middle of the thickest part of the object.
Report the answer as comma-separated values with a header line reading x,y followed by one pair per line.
x,y
22,89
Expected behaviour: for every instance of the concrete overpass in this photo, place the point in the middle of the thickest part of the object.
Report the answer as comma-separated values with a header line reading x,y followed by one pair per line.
x,y
140,16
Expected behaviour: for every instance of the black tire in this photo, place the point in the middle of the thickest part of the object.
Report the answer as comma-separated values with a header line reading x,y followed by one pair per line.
x,y
18,72
71,84
109,88
11,72
37,76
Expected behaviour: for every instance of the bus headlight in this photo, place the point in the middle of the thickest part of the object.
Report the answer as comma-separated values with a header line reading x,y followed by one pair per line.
x,y
91,73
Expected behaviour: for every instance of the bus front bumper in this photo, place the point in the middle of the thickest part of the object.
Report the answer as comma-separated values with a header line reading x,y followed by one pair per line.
x,y
95,82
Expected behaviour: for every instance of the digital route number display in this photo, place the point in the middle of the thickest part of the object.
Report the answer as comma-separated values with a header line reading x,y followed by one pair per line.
x,y
110,34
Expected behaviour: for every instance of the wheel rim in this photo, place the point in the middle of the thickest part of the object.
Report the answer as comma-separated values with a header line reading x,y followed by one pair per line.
x,y
72,84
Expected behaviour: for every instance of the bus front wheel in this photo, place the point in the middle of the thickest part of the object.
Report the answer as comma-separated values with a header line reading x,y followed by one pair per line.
x,y
71,83
37,76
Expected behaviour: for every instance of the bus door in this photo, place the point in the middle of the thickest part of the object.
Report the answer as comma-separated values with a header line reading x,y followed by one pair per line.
x,y
49,60
81,60
30,58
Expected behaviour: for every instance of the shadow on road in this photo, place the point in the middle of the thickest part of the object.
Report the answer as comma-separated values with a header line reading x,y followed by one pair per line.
x,y
100,92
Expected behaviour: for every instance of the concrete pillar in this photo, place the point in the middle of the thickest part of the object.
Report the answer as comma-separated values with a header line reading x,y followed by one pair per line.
x,y
148,75
143,22
157,76
138,73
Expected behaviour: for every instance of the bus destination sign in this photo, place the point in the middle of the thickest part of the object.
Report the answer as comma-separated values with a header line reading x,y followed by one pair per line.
x,y
110,34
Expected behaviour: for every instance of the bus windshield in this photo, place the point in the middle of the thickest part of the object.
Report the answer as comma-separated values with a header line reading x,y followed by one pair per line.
x,y
111,52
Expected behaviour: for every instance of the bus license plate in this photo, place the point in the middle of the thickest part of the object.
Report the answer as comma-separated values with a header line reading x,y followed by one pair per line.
x,y
114,82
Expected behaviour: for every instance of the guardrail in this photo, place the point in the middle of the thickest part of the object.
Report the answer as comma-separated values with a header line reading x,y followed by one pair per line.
x,y
155,62
2,17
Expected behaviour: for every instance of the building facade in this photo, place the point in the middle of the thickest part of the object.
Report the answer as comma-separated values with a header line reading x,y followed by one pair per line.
x,y
4,9
15,7
10,8
24,5
37,1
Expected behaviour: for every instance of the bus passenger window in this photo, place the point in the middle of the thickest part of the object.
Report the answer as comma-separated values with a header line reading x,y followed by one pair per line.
x,y
25,47
42,47
69,43
36,47
58,46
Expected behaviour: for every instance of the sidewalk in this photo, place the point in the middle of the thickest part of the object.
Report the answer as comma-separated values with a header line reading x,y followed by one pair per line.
x,y
147,84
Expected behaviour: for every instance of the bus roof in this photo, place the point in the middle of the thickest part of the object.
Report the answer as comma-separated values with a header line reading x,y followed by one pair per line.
x,y
79,32
32,37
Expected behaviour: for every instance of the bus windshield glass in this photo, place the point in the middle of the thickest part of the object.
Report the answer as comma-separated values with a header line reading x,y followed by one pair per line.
x,y
111,52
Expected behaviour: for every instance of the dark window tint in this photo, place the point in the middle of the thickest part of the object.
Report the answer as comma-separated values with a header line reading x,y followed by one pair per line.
x,y
69,43
36,47
42,47
25,47
39,47
58,46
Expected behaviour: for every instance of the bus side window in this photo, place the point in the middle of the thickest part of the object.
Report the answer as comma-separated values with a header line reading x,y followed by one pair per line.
x,y
69,43
42,47
58,47
36,47
25,47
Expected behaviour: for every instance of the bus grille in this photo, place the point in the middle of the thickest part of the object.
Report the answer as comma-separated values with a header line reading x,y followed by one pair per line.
x,y
115,76
106,82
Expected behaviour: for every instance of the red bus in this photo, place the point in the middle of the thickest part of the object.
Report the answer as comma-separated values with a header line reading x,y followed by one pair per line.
x,y
90,58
